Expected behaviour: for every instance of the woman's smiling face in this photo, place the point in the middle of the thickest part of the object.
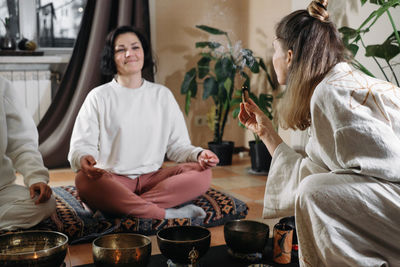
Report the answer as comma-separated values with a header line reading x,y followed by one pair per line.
x,y
128,54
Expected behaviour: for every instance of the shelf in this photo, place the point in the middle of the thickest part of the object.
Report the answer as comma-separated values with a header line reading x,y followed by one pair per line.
x,y
34,59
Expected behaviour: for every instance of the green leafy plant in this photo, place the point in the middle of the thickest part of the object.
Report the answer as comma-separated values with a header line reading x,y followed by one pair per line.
x,y
219,67
387,51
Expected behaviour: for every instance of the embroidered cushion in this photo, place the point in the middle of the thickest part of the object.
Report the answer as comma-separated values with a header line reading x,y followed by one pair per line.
x,y
81,225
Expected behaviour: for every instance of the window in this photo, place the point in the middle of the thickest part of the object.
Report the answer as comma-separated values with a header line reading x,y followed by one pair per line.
x,y
9,14
58,22
50,23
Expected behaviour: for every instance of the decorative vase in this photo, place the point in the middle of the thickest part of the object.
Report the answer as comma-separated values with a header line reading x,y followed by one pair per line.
x,y
8,42
260,157
223,150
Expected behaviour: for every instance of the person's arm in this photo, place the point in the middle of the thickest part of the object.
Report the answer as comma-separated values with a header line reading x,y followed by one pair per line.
x,y
254,119
358,130
22,140
85,134
22,146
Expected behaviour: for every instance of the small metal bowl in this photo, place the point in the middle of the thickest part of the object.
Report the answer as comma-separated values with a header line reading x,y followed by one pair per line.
x,y
245,236
184,244
123,249
33,248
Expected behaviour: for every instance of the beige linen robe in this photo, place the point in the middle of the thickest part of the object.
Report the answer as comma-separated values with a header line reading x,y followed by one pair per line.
x,y
19,152
345,193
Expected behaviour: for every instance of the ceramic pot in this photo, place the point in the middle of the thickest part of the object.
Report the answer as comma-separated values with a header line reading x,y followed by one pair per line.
x,y
260,157
8,43
224,151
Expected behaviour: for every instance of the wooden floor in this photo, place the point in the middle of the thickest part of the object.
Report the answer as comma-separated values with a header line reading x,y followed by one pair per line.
x,y
234,180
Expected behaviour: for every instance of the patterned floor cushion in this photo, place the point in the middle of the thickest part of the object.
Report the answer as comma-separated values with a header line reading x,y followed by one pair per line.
x,y
81,225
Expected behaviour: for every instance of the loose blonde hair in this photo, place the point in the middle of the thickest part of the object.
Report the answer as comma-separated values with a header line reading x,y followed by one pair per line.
x,y
317,47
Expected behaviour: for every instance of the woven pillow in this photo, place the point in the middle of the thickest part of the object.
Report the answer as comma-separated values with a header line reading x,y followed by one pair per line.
x,y
72,219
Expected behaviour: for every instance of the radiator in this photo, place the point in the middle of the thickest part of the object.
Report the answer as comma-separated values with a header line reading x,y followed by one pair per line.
x,y
34,90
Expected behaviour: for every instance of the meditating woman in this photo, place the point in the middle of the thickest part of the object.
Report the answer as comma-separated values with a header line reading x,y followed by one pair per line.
x,y
345,194
21,206
122,133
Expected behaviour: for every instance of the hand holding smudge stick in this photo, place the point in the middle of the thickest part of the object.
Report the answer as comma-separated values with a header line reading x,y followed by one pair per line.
x,y
245,94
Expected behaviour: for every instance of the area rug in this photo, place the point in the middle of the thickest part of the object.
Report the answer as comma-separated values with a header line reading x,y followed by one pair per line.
x,y
81,225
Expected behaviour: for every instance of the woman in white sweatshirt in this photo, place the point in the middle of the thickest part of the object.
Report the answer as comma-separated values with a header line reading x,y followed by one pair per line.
x,y
345,194
122,133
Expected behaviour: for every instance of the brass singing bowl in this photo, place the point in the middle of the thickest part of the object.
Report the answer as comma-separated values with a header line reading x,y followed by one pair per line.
x,y
123,249
246,236
184,244
33,248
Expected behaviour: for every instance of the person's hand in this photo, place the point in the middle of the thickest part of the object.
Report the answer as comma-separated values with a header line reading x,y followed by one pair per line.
x,y
207,159
253,118
87,167
43,190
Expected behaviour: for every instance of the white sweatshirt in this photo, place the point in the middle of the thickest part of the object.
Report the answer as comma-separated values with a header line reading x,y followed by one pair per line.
x,y
129,131
18,141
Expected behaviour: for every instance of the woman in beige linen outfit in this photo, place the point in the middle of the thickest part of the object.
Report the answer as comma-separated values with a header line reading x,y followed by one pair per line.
x,y
345,193
21,206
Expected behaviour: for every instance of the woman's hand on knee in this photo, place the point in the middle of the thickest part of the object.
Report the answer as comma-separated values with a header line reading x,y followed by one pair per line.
x,y
207,159
87,167
43,190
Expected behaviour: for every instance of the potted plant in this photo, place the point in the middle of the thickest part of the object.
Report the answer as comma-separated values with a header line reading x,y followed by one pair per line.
x,y
386,51
259,155
220,66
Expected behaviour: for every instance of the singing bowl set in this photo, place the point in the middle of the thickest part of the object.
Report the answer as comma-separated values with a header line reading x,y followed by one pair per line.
x,y
133,250
33,248
184,244
245,236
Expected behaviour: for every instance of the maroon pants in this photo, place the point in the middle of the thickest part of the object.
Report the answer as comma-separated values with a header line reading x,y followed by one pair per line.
x,y
148,195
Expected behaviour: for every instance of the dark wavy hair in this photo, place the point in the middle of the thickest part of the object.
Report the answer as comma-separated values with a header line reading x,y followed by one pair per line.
x,y
107,64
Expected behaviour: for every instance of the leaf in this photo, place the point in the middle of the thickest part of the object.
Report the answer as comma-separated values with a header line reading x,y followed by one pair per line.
x,y
235,112
210,30
203,65
236,101
211,45
207,55
348,32
382,2
262,65
223,69
228,84
210,87
251,62
222,94
193,88
353,48
247,81
377,13
385,51
189,77
363,2
238,93
187,102
392,38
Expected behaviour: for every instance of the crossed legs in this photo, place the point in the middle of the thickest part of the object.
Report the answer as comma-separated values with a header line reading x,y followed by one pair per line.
x,y
147,196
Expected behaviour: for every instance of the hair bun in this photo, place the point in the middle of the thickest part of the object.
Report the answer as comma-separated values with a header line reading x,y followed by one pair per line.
x,y
318,10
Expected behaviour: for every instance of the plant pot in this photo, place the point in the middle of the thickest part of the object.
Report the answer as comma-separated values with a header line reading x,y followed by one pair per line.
x,y
260,157
8,43
223,150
